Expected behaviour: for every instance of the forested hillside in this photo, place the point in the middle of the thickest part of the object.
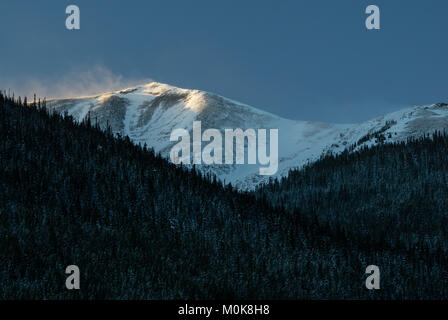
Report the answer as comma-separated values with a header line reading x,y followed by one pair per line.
x,y
393,196
141,228
390,199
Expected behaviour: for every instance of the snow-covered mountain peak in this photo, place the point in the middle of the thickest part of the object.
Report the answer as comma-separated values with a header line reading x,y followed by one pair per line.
x,y
157,88
148,114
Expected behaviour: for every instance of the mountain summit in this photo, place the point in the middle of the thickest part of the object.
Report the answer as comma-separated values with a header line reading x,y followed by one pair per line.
x,y
149,113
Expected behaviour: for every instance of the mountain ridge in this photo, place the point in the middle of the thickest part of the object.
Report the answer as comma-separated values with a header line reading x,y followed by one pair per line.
x,y
149,113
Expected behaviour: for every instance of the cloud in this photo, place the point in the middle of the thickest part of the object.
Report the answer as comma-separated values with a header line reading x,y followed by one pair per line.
x,y
75,83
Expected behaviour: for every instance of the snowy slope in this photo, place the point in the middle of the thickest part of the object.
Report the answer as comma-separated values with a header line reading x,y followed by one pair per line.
x,y
149,113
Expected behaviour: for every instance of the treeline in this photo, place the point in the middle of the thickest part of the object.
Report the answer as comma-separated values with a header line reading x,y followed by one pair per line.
x,y
139,227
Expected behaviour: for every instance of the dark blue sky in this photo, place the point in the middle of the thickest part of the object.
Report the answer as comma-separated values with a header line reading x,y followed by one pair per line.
x,y
310,60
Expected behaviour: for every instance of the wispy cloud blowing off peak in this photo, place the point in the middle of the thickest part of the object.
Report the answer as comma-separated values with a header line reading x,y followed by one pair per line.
x,y
74,83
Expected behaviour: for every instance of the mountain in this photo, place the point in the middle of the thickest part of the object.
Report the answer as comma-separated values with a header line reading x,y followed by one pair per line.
x,y
149,113
139,227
